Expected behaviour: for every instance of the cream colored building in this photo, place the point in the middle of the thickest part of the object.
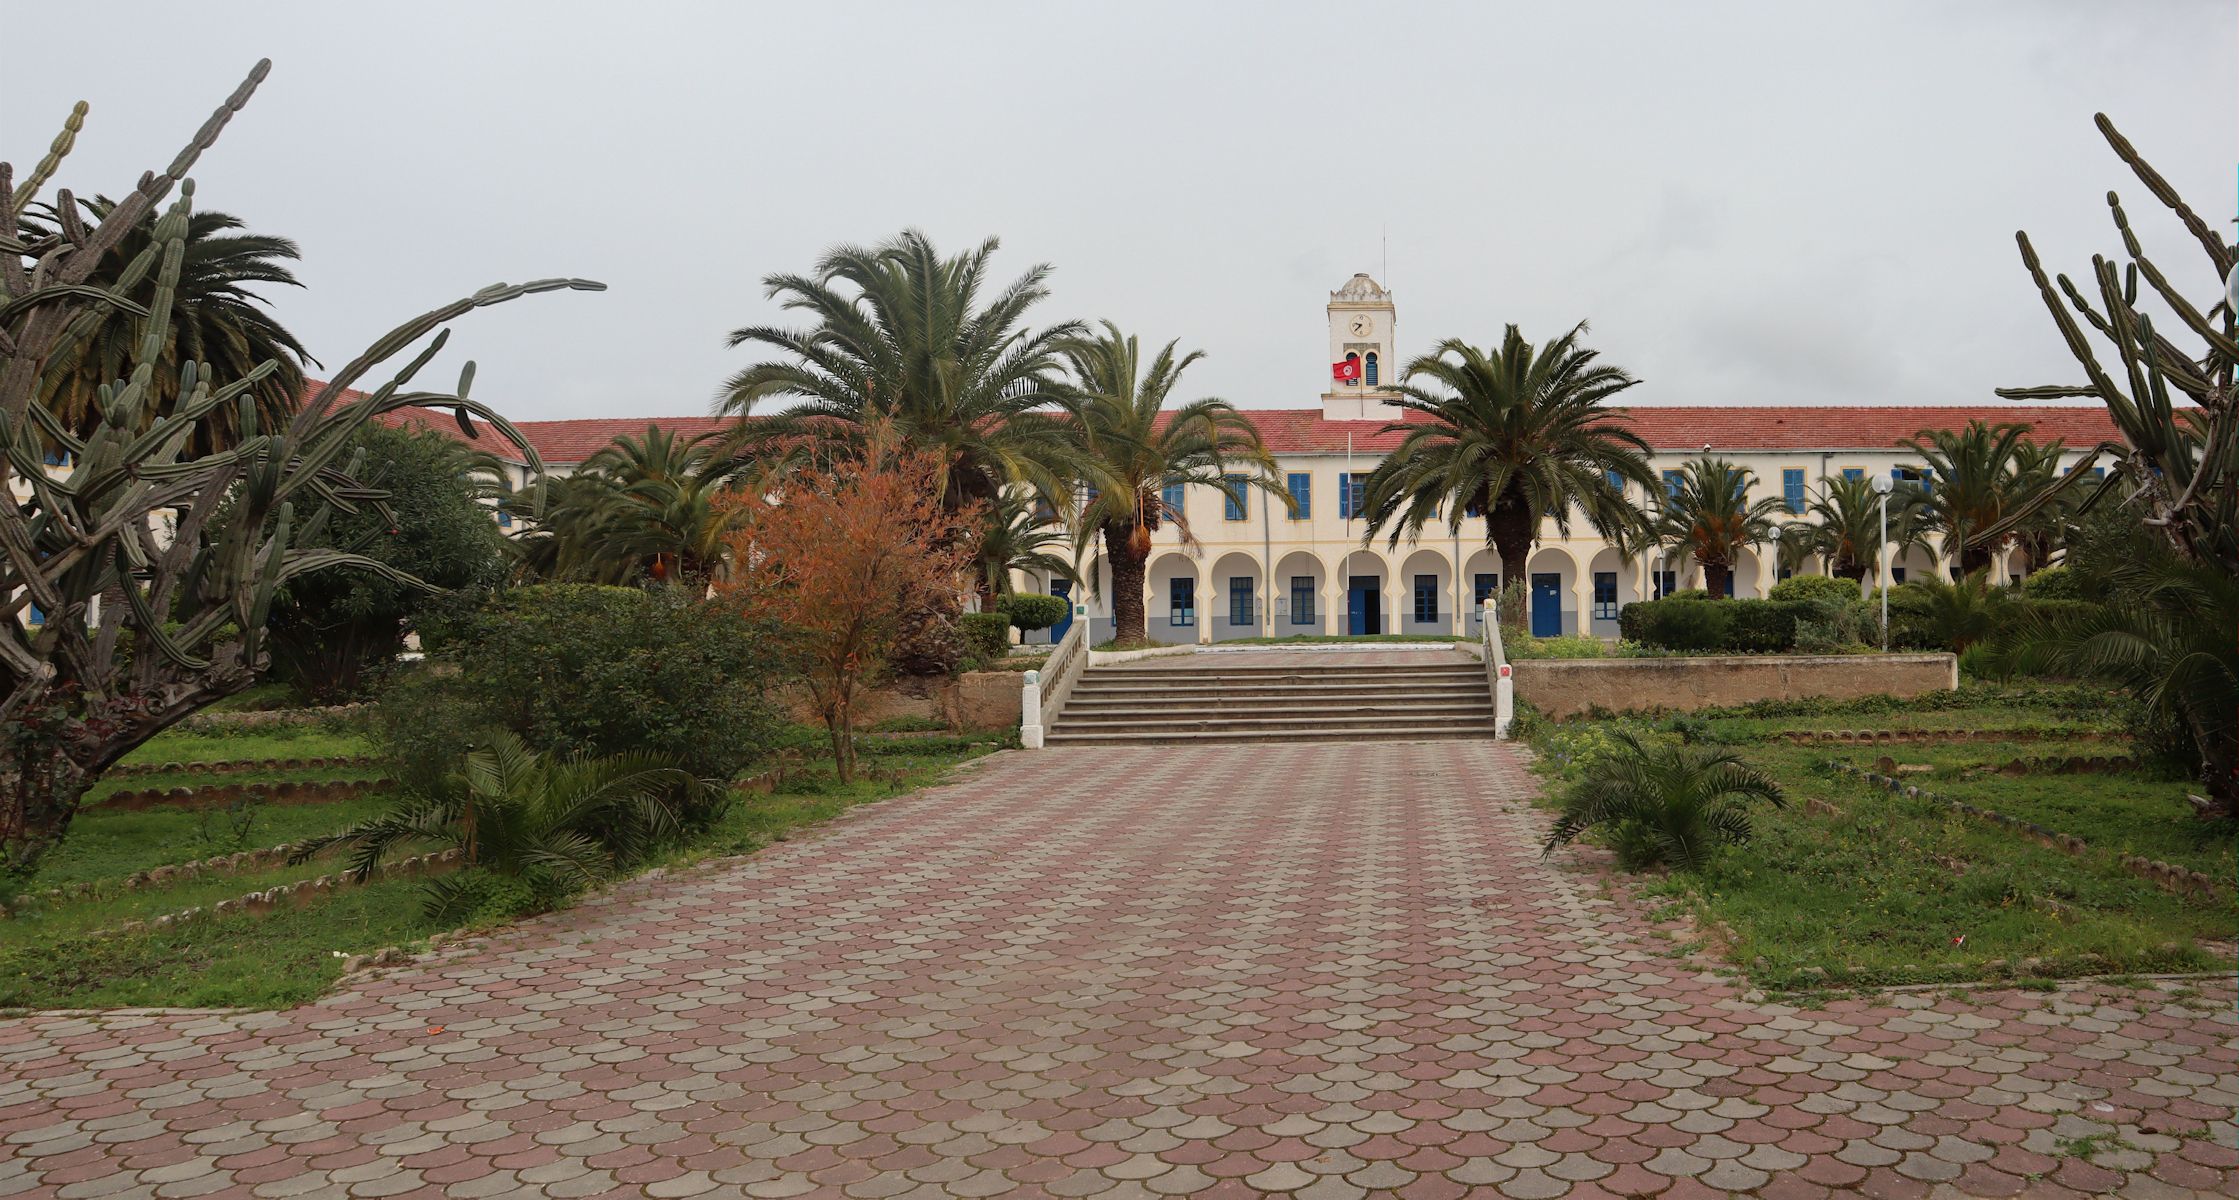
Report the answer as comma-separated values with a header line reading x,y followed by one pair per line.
x,y
1257,570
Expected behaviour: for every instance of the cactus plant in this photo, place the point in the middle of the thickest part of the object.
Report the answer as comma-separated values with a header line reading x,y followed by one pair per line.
x,y
149,565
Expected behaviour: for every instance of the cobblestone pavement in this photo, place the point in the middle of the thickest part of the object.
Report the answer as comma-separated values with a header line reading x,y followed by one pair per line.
x,y
1330,971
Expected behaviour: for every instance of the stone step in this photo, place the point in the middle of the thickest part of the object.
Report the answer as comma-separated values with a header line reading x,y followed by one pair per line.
x,y
1480,721
1278,690
1134,710
1066,737
1317,671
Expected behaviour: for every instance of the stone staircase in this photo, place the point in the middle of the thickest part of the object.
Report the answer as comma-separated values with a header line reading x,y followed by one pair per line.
x,y
1225,698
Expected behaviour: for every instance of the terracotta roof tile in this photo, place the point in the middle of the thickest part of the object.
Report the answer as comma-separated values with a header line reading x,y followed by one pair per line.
x,y
1306,431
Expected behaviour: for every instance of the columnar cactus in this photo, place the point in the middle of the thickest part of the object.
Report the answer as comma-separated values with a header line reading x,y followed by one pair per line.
x,y
152,569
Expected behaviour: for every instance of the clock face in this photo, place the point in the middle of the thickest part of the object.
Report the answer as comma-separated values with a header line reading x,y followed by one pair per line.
x,y
1360,326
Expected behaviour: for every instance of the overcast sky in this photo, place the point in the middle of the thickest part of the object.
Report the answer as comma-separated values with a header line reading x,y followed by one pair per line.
x,y
1767,202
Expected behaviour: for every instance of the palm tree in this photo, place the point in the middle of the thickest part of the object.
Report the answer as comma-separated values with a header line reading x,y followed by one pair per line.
x,y
1845,527
641,507
1016,536
1971,487
2042,530
1127,448
1707,513
216,320
1517,436
904,335
1668,805
558,825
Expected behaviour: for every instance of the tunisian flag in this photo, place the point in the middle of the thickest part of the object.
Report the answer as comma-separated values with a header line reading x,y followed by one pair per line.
x,y
1347,371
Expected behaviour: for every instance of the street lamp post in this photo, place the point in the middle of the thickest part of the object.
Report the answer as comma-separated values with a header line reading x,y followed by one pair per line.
x,y
1882,486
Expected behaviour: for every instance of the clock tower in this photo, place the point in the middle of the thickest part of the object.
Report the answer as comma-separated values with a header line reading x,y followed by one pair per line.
x,y
1361,319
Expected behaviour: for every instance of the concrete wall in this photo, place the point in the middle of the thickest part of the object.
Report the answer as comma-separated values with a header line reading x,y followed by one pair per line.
x,y
1566,687
974,700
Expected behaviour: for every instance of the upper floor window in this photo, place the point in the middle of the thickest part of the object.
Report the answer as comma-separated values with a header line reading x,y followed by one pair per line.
x,y
1854,472
1232,494
1355,360
1352,490
1792,488
1616,480
1671,482
1370,369
1171,497
1302,495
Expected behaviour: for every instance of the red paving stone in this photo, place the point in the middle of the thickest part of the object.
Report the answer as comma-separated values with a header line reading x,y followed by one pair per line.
x,y
1326,970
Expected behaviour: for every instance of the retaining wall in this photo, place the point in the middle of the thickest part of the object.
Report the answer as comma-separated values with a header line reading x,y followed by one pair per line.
x,y
1567,687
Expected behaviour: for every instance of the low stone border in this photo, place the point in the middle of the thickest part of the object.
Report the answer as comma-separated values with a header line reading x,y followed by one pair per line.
x,y
1860,736
170,873
2169,877
241,766
268,717
215,794
299,894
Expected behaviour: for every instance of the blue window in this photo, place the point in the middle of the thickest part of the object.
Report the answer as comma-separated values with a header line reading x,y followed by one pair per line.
x,y
1484,586
1232,491
1302,495
1792,488
1667,582
1616,479
1171,497
1182,603
1782,573
1240,600
1089,493
505,519
1302,599
1371,369
58,458
1605,595
1896,574
1671,482
1426,598
38,615
2099,472
1352,490
1729,583
1854,472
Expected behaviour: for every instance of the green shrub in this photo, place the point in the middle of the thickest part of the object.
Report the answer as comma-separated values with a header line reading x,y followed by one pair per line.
x,y
1566,646
1030,611
1663,805
1814,587
1678,622
2053,583
1688,594
1768,626
578,669
987,636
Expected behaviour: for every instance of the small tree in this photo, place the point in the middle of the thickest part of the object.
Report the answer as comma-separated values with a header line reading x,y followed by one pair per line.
x,y
1710,517
840,558
329,628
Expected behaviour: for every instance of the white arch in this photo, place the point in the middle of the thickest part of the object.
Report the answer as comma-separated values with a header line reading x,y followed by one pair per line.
x,y
1373,604
1163,619
1557,562
1220,605
1287,618
1601,615
1436,564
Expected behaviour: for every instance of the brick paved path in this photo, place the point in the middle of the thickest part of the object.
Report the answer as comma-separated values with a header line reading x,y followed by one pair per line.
x,y
1322,970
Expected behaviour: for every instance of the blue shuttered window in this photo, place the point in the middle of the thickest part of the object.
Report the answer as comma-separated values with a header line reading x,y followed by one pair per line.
x,y
1171,497
1302,600
1371,369
1181,607
1232,494
1671,482
1854,472
1302,495
1605,595
1240,600
1792,488
1352,491
1426,598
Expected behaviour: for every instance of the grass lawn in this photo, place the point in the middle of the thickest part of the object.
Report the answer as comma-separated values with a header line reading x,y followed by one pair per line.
x,y
288,957
244,745
1895,891
113,843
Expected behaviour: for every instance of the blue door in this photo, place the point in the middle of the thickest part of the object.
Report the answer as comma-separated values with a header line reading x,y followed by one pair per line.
x,y
1063,590
1362,603
1547,605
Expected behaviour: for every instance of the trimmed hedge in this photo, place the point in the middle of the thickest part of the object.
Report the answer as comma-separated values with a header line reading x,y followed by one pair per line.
x,y
1680,622
1030,611
986,635
1814,587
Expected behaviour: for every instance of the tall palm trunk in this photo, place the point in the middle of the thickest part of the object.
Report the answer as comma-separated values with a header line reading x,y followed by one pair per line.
x,y
1127,582
1508,525
1716,577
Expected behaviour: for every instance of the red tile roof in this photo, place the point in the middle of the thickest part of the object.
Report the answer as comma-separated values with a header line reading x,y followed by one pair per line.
x,y
1306,431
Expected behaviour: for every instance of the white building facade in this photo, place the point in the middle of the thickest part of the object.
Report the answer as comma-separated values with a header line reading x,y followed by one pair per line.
x,y
1257,569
